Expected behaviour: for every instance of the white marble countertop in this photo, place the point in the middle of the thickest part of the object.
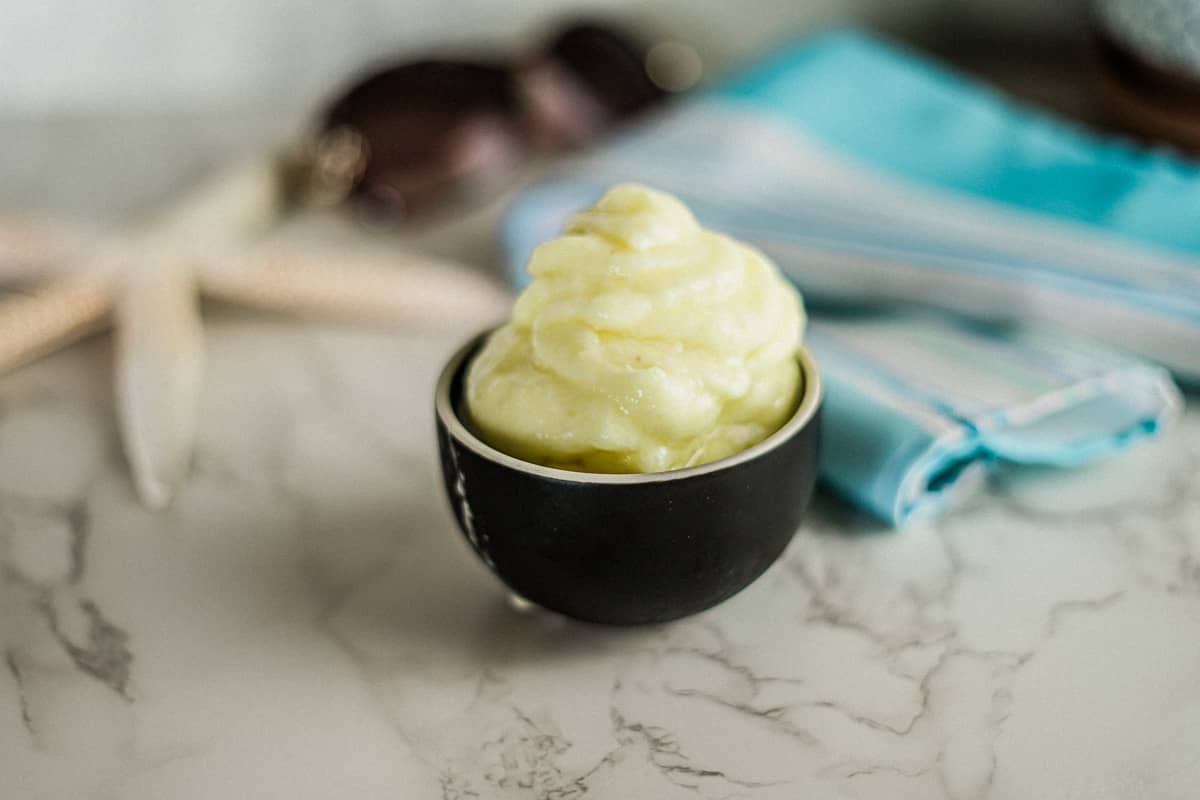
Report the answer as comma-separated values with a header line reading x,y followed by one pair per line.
x,y
306,622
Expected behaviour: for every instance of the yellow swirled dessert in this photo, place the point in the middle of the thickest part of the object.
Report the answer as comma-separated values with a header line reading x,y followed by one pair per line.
x,y
645,343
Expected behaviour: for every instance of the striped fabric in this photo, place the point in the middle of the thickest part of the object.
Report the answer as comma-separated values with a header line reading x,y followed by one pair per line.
x,y
932,194
918,408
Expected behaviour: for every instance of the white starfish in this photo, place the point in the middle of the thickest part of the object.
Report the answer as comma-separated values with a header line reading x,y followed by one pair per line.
x,y
145,283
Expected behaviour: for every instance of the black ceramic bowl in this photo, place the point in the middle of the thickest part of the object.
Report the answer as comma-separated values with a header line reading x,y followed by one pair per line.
x,y
627,549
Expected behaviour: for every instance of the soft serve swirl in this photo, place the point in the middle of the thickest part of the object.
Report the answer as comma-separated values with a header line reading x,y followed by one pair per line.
x,y
645,343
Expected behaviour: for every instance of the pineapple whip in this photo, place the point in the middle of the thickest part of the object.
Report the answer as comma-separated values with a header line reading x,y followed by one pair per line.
x,y
645,343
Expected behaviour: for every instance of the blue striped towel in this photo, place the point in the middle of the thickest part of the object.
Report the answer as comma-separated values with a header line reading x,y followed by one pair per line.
x,y
875,180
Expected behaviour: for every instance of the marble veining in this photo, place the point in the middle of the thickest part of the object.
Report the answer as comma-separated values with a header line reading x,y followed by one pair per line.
x,y
305,621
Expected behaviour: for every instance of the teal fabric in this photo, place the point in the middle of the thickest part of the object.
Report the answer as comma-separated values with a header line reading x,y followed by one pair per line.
x,y
904,115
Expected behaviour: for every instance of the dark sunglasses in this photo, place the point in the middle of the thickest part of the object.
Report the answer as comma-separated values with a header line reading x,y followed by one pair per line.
x,y
407,138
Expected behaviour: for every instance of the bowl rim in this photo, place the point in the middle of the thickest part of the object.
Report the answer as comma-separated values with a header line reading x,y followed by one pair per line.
x,y
806,409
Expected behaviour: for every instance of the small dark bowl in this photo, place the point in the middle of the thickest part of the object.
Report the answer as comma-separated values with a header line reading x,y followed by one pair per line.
x,y
628,549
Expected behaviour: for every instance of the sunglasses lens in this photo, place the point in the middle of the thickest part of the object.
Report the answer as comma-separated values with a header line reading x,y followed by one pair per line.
x,y
424,126
428,86
610,64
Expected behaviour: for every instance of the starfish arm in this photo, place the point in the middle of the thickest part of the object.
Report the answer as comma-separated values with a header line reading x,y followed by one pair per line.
x,y
159,366
31,247
380,289
52,316
240,202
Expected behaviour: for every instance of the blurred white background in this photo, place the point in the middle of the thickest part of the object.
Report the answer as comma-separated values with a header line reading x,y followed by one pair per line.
x,y
108,108
83,56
